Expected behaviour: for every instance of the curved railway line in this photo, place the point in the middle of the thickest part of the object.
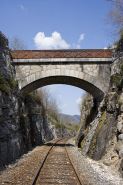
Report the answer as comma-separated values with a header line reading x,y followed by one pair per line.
x,y
57,167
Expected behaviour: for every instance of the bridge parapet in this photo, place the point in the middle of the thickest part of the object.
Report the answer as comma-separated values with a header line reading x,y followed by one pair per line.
x,y
81,53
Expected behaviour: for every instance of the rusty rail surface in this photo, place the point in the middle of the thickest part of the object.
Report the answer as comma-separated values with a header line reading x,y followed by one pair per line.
x,y
78,53
47,174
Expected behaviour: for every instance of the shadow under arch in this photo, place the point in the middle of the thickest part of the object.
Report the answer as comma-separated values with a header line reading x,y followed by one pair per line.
x,y
68,80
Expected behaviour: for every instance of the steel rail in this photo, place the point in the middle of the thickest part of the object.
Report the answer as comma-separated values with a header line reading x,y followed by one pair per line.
x,y
79,179
37,174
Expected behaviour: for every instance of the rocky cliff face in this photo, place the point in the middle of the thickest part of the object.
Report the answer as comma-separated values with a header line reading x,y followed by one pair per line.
x,y
41,127
23,123
101,136
11,139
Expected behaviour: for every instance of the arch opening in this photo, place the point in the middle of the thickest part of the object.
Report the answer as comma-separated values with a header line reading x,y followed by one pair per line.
x,y
68,80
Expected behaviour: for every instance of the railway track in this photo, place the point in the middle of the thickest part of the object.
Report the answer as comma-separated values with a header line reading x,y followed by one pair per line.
x,y
57,167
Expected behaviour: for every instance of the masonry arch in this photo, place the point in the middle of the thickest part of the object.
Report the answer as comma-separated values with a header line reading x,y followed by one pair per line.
x,y
86,69
87,82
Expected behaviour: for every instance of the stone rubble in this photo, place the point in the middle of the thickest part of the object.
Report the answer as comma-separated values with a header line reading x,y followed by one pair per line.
x,y
94,171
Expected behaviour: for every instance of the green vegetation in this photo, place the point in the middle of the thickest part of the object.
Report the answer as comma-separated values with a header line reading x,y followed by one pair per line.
x,y
90,106
12,81
4,85
76,127
34,97
118,99
121,71
57,124
93,144
117,79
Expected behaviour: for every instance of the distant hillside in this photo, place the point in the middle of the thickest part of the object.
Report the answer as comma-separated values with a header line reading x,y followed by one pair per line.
x,y
70,119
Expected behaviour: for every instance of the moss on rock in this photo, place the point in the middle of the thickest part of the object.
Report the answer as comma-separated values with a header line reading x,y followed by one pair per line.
x,y
117,79
93,144
85,135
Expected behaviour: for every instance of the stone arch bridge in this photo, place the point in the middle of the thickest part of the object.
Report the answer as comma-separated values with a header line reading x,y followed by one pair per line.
x,y
86,69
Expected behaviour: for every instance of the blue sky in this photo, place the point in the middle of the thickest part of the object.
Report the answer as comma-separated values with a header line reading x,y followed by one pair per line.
x,y
57,24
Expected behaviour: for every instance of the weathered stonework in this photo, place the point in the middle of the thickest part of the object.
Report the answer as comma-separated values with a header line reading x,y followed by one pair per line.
x,y
94,78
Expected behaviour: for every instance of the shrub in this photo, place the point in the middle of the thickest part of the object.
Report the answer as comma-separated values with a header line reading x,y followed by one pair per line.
x,y
4,86
117,79
12,82
34,98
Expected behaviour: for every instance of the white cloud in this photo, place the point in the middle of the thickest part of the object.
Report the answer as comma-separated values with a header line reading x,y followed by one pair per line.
x,y
105,48
22,7
81,37
79,101
78,46
53,42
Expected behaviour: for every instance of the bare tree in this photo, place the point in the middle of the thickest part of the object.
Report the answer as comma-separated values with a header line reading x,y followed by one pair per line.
x,y
84,99
16,43
51,105
45,96
114,17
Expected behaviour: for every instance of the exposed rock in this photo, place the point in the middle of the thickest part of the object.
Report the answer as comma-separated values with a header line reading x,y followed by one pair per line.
x,y
103,138
121,167
121,151
22,124
119,126
11,138
120,137
111,102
